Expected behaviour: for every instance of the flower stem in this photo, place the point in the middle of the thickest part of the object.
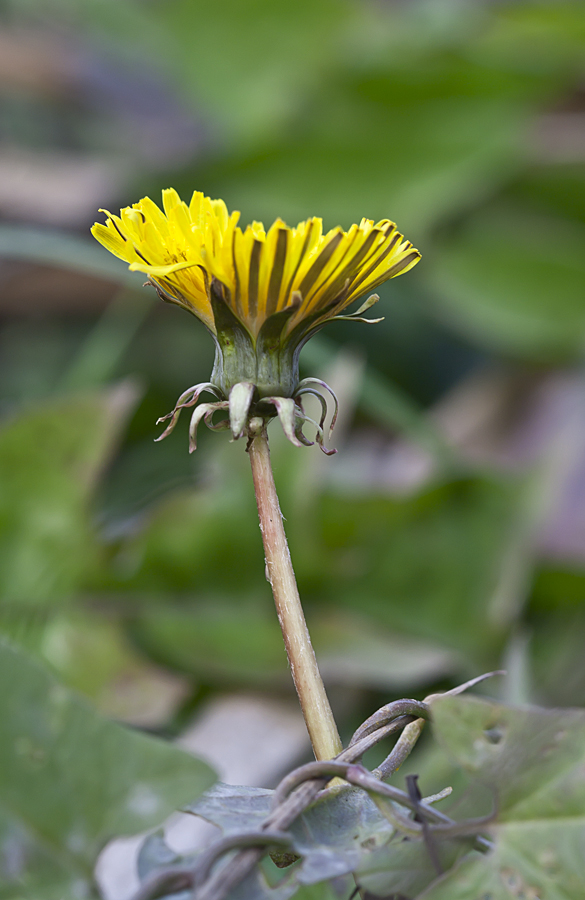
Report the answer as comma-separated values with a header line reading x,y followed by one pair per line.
x,y
279,572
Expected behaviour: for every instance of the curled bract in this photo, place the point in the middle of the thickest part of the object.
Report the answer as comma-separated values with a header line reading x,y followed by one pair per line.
x,y
243,404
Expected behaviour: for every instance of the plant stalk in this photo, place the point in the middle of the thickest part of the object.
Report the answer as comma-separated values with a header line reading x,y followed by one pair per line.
x,y
279,572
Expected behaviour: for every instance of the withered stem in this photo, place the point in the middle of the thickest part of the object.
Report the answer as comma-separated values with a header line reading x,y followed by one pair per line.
x,y
279,571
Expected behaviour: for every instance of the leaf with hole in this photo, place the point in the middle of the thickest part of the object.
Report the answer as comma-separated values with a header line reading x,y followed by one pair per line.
x,y
533,763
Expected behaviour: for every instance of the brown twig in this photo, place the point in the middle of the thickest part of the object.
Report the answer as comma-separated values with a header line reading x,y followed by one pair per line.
x,y
299,790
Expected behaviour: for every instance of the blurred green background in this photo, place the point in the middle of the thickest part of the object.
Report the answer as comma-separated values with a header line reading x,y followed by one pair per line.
x,y
447,537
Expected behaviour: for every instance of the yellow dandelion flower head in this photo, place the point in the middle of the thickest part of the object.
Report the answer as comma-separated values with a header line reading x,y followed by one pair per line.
x,y
183,248
261,294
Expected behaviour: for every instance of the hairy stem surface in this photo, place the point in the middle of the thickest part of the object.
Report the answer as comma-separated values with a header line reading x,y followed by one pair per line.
x,y
279,571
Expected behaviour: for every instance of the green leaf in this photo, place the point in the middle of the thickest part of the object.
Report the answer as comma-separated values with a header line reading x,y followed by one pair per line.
x,y
74,779
233,808
156,855
91,653
219,640
225,640
547,38
101,353
355,651
189,536
557,190
512,281
252,66
404,868
529,862
428,159
326,890
443,549
336,833
332,836
27,869
341,833
271,56
50,458
532,760
440,552
49,888
556,645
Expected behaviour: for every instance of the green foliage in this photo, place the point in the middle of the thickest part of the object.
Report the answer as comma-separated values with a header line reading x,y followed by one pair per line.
x,y
50,458
532,760
443,550
526,762
246,64
514,280
70,779
440,551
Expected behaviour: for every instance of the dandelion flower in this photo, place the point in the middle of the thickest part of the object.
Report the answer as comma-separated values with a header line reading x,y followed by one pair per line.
x,y
261,294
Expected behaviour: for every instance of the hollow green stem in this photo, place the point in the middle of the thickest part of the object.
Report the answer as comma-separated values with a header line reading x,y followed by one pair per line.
x,y
279,572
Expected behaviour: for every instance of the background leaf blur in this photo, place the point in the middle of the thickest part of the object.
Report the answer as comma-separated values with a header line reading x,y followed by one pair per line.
x,y
448,535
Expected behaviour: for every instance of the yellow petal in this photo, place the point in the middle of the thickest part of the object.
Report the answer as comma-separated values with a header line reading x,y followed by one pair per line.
x,y
161,270
112,241
184,247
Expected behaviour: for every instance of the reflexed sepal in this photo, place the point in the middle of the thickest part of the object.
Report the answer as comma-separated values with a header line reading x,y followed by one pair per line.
x,y
319,436
187,398
286,409
312,383
244,404
205,411
357,316
241,396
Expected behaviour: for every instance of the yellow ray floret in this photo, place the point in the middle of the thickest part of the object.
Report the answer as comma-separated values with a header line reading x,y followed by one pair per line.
x,y
184,247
